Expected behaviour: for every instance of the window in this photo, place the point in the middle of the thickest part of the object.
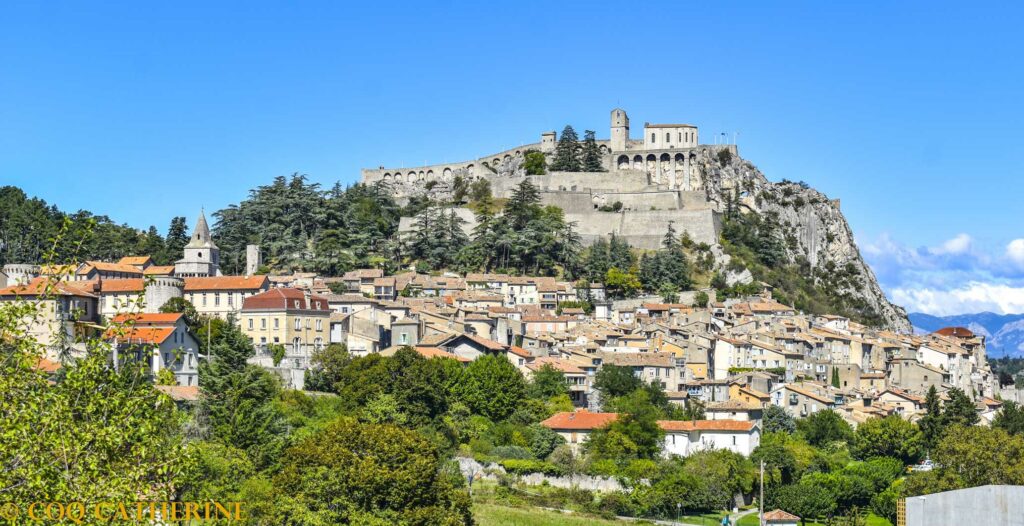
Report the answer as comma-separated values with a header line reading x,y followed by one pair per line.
x,y
250,324
204,299
216,299
680,136
296,303
404,338
668,137
230,297
652,137
734,440
263,323
298,323
277,324
319,325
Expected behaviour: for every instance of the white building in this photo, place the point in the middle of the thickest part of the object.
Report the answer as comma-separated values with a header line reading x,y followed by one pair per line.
x,y
166,337
685,437
681,437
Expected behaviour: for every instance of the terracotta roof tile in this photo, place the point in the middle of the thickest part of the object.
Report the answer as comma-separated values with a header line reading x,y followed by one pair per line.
x,y
146,335
41,286
226,283
779,515
104,266
184,393
160,318
706,425
582,419
159,270
135,260
285,299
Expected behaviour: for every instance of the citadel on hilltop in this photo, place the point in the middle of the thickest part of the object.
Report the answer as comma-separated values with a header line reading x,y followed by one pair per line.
x,y
658,179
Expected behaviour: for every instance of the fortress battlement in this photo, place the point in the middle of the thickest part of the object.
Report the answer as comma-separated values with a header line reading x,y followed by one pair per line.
x,y
650,181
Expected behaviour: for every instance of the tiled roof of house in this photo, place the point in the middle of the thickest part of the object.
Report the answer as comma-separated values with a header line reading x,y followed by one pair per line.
x,y
706,425
490,345
519,351
565,366
104,266
734,404
181,393
779,515
159,318
226,283
159,270
581,420
285,299
47,366
146,335
41,286
135,260
111,286
364,273
810,394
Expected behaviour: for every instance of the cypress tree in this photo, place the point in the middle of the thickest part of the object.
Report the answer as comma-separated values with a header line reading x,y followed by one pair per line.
x,y
591,154
567,152
835,377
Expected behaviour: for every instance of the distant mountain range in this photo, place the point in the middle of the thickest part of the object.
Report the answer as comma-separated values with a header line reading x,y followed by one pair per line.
x,y
1004,332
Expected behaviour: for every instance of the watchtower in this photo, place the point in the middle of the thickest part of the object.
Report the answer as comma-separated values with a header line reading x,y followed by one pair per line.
x,y
620,130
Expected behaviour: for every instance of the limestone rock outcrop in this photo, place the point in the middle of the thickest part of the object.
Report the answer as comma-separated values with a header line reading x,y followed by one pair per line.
x,y
813,224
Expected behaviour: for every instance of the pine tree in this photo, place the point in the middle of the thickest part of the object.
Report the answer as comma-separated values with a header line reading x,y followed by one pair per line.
x,y
567,152
177,238
591,153
931,422
523,204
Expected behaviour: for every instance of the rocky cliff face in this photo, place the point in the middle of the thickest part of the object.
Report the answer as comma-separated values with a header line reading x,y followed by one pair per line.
x,y
815,231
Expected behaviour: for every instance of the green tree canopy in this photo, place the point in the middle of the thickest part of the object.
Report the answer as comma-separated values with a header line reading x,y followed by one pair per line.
x,y
824,427
891,436
492,387
352,473
567,152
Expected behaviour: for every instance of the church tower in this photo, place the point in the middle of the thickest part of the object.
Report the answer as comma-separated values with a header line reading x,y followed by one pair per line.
x,y
620,130
202,257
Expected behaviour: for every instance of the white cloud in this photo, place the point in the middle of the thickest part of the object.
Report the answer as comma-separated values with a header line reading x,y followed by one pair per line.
x,y
955,277
970,298
1015,251
961,244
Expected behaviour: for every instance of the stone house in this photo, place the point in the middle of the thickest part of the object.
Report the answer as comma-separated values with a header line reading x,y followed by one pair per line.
x,y
65,313
685,437
222,296
166,337
286,317
681,437
912,375
802,400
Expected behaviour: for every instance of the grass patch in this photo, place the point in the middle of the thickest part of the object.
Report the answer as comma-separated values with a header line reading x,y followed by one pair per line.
x,y
870,520
494,515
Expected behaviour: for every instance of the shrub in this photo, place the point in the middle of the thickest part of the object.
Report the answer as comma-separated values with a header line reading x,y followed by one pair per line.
x,y
724,157
512,452
525,467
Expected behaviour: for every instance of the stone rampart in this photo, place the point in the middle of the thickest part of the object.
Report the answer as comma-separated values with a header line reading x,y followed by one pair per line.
x,y
641,228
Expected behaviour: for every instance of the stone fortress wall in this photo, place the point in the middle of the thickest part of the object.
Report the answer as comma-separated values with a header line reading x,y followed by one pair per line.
x,y
657,180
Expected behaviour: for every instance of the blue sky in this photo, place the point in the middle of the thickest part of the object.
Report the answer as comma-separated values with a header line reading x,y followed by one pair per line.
x,y
908,112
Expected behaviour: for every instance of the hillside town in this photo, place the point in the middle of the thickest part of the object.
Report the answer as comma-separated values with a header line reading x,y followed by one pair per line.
x,y
732,358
